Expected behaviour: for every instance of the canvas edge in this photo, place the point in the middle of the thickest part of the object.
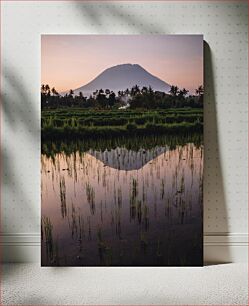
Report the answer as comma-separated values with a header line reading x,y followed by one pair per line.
x,y
218,247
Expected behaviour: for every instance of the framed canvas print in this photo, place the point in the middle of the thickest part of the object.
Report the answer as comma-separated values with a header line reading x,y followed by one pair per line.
x,y
122,150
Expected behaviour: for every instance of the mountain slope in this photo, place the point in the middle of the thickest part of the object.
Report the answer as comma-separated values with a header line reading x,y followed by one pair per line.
x,y
121,77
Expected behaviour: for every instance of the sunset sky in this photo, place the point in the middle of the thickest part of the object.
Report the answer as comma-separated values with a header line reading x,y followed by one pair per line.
x,y
71,61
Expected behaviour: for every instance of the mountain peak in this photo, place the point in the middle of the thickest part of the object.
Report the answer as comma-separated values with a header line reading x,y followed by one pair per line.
x,y
125,66
121,77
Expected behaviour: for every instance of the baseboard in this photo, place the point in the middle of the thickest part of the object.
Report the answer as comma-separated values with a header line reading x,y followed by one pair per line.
x,y
225,247
218,247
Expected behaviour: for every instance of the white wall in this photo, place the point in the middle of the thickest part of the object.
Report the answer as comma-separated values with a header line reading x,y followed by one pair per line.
x,y
224,25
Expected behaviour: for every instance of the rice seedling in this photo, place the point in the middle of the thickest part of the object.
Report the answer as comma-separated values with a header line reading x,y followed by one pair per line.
x,y
118,223
139,211
48,233
81,227
133,198
90,194
155,202
63,197
74,226
105,253
119,197
146,217
101,211
159,251
89,228
162,189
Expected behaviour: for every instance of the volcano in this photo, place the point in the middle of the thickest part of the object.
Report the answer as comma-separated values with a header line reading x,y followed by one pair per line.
x,y
121,77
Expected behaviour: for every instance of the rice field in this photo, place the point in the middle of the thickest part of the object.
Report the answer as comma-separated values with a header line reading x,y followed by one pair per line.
x,y
79,123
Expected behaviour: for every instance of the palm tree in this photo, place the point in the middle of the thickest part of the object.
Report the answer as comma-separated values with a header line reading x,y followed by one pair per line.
x,y
54,92
174,90
144,90
43,89
135,90
121,93
183,92
47,89
127,91
150,90
199,91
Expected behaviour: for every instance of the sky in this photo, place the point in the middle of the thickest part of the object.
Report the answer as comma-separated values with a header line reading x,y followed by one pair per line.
x,y
71,61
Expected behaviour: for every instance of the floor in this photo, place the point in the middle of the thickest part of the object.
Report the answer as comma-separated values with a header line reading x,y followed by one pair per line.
x,y
29,284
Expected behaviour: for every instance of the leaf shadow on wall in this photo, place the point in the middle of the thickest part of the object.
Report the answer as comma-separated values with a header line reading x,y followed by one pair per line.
x,y
124,17
20,114
21,120
215,210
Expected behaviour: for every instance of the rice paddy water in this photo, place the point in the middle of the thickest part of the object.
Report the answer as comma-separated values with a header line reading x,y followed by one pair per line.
x,y
122,205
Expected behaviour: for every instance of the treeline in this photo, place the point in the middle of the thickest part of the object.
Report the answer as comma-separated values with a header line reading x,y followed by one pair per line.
x,y
133,98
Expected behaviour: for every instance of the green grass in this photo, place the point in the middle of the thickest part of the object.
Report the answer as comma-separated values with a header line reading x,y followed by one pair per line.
x,y
78,123
83,112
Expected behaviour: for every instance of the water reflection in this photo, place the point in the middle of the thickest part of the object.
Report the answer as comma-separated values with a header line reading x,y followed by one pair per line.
x,y
123,207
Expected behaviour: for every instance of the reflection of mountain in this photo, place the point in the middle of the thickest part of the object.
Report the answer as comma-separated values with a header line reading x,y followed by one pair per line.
x,y
121,77
123,159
